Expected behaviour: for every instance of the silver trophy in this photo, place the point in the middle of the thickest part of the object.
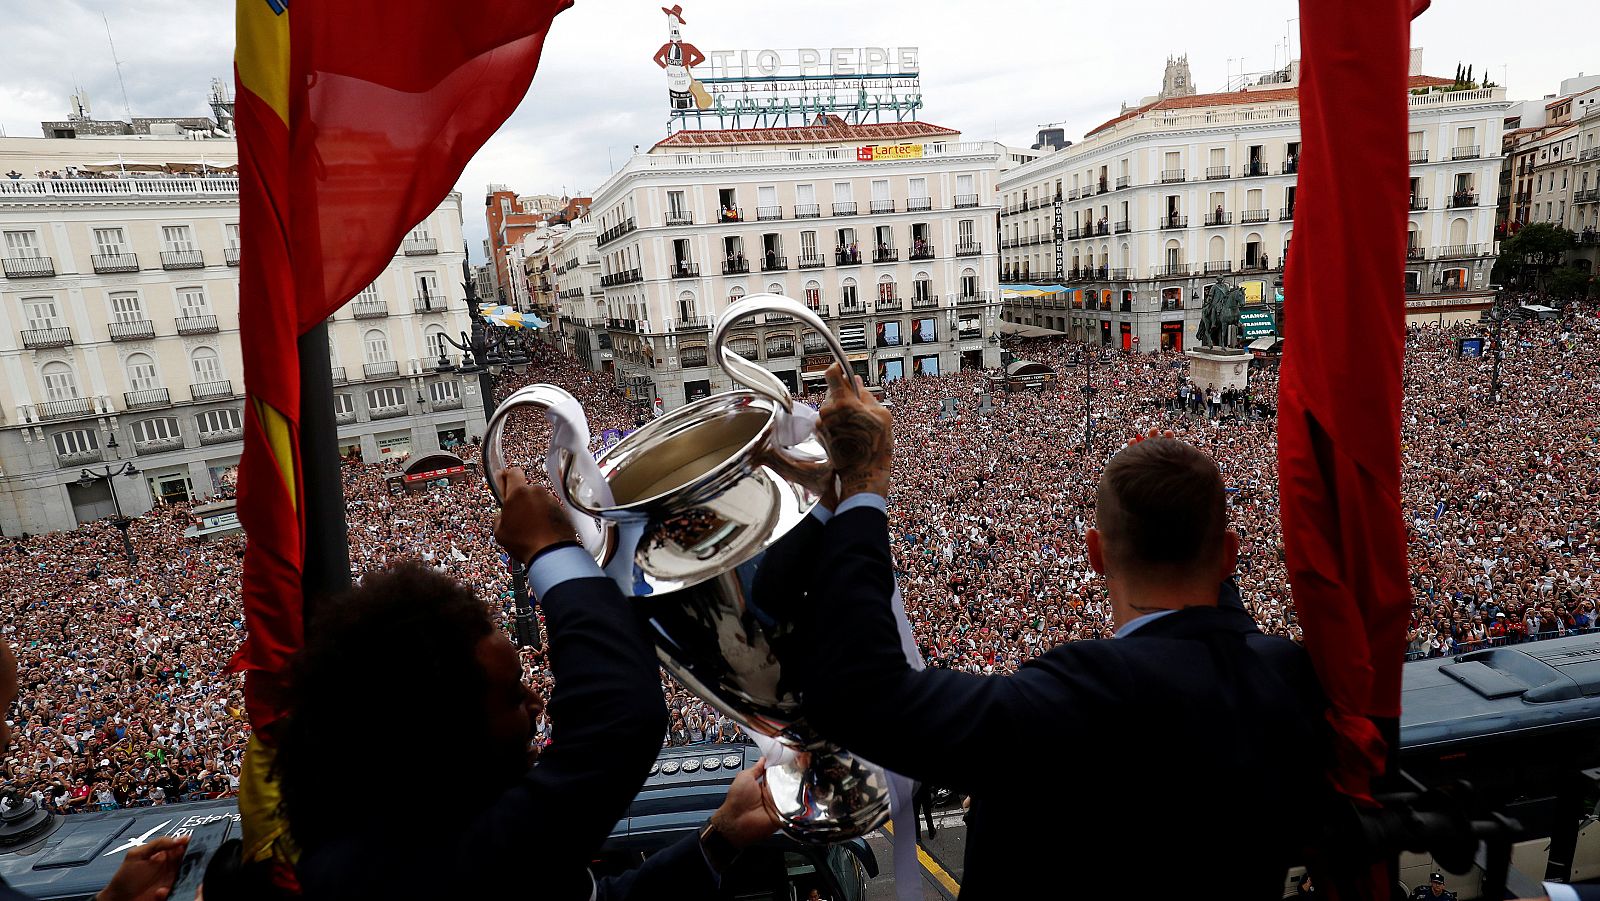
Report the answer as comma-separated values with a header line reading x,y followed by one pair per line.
x,y
696,497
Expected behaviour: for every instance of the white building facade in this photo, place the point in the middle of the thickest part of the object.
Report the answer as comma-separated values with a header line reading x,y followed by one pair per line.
x,y
580,318
886,231
119,337
1168,197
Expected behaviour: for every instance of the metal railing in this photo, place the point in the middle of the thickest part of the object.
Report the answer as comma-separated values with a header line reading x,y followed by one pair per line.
x,y
183,259
924,251
429,303
28,267
1249,217
41,338
969,249
146,397
885,255
890,304
735,267
1419,156
137,330
847,257
1174,221
1216,267
115,262
1213,172
203,391
65,409
1170,176
1219,219
1590,196
844,209
419,247
680,217
963,201
812,261
230,256
919,204
807,210
1418,203
774,263
1468,152
1253,169
692,324
384,369
1463,199
1290,166
1123,182
925,303
369,309
973,298
684,269
769,213
1121,226
1172,269
881,206
1286,213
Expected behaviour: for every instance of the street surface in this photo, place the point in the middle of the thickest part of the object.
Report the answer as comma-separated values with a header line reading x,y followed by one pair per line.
x,y
939,870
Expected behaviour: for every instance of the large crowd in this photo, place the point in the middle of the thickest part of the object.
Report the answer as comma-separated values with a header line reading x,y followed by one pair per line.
x,y
125,699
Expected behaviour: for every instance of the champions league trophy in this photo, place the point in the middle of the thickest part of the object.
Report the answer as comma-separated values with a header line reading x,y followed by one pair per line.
x,y
680,514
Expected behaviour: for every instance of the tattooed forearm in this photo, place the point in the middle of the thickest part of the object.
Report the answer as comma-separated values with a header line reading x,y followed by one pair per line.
x,y
861,448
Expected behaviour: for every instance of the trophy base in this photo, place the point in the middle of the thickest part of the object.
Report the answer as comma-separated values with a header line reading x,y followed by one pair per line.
x,y
828,795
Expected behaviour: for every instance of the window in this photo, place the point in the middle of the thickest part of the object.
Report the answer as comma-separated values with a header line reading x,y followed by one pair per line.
x,y
880,190
162,428
964,232
177,238
126,307
964,184
842,192
813,294
344,405
735,295
368,294
437,348
22,245
428,286
77,441
213,421
141,372
767,196
231,232
60,382
445,392
918,188
375,345
386,398
676,208
192,302
420,232
40,312
847,293
808,245
207,366
886,289
686,309
805,195
969,282
109,242
922,288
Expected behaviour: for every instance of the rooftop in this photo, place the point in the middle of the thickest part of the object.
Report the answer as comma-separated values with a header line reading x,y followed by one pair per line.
x,y
1236,98
826,129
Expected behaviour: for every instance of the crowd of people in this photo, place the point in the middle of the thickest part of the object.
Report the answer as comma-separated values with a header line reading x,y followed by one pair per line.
x,y
126,700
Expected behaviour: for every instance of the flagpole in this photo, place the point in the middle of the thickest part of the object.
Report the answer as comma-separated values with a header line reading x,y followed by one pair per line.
x,y
327,552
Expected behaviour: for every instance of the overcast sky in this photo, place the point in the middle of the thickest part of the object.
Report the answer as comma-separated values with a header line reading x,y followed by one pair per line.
x,y
994,70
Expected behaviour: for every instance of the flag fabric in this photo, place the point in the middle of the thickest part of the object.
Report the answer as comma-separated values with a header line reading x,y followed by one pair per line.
x,y
354,121
1340,381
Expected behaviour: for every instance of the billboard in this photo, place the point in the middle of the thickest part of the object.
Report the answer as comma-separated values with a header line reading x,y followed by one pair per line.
x,y
924,331
1254,292
879,152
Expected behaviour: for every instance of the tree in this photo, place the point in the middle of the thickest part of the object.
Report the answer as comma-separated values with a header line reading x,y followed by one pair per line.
x,y
1568,282
1536,248
1469,73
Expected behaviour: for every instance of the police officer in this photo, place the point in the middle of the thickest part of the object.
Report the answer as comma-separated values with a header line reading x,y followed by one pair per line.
x,y
1434,890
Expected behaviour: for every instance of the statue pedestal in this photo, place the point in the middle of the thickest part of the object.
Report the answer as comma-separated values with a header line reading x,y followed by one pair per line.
x,y
1219,367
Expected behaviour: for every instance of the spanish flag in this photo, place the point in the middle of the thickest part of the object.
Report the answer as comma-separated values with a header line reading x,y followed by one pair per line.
x,y
354,120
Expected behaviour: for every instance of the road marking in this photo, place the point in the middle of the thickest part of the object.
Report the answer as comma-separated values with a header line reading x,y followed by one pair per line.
x,y
938,873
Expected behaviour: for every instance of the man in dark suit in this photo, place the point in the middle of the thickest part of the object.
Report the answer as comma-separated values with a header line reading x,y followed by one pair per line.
x,y
406,693
1191,742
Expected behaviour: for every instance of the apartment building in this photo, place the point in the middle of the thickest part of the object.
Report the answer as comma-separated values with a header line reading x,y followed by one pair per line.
x,y
1553,172
119,338
886,231
1169,196
578,320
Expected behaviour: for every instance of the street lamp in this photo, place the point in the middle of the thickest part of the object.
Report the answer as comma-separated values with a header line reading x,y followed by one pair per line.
x,y
87,477
1499,316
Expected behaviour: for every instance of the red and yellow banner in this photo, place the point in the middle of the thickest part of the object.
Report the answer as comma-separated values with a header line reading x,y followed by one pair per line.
x,y
881,152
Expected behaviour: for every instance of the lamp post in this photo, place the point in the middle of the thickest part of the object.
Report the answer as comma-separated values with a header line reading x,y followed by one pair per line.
x,y
1499,317
89,476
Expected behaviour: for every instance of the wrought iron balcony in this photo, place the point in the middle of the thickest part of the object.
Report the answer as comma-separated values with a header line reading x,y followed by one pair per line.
x,y
890,304
1219,267
1172,269
429,303
1119,274
385,369
204,391
844,209
1250,217
1121,227
969,249
1102,228
811,262
1253,168
821,309
680,217
183,259
230,256
769,213
925,303
369,309
1123,182
974,298
774,263
420,247
1286,213
1169,176
921,252
1102,186
1175,221
1418,203
1416,253
847,257
885,255
115,262
1468,152
65,409
1219,218
145,398
1590,196
1074,234
735,266
29,267
1214,172
882,206
807,210
852,309
1291,165
692,324
137,330
43,338
1463,199
620,229
963,201
684,269
1419,156
919,204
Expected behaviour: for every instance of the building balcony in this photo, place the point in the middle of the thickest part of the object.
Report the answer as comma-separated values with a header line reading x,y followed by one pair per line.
x,y
1259,264
1459,251
1254,168
881,206
1219,267
735,266
963,201
973,298
230,256
924,303
28,267
1418,204
1469,152
1590,196
115,262
886,255
821,309
146,398
137,330
1419,156
684,269
1074,234
71,408
769,213
205,391
1215,172
1171,176
692,324
969,249
1121,227
387,412
338,375
1173,270
419,247
807,210
369,309
1286,214
1119,275
852,309
45,338
157,445
382,370
221,436
183,259
622,228
1588,153
847,257
1175,221
923,252
429,303
1462,200
919,204
680,217
627,277
812,261
1290,166
1072,194
1102,186
1414,253
890,305
1213,219
1251,217
1099,229
1123,182
844,209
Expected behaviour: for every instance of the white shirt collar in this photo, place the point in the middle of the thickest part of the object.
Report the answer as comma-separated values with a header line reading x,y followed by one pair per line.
x,y
1140,622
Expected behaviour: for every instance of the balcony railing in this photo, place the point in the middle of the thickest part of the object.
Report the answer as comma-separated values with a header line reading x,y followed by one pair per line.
x,y
692,324
369,309
852,309
115,262
1414,252
1213,172
626,277
769,213
1219,219
774,263
1463,199
1074,234
65,409
29,267
680,217
1253,169
886,255
882,206
684,269
735,266
1249,217
420,247
42,338
847,257
230,256
1419,156
1259,264
620,229
807,210
969,249
146,397
925,303
183,259
1217,267
1118,275
1469,152
1099,228
1123,182
1175,221
221,436
385,369
1172,269
890,304
339,376
137,330
1121,227
973,298
962,201
1290,166
921,252
1590,196
811,262
1169,176
1458,251
1102,186
1286,213
1418,203
157,445
919,204
387,412
844,209
429,303
204,391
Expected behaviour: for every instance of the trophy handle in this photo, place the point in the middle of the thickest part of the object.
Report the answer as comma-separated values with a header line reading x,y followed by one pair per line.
x,y
756,377
553,402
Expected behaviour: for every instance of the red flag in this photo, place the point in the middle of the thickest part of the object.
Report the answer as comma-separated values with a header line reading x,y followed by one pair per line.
x,y
355,119
1340,384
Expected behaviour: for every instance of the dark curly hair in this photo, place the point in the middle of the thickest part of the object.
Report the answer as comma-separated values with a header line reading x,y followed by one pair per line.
x,y
387,661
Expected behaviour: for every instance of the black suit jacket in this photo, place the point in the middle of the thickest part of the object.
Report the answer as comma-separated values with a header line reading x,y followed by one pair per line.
x,y
535,839
1186,751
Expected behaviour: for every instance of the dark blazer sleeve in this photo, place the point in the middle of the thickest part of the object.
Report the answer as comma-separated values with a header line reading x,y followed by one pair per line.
x,y
934,725
609,718
679,871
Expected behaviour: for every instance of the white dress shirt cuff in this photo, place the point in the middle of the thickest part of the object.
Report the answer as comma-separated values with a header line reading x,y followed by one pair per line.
x,y
864,499
1560,891
561,565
